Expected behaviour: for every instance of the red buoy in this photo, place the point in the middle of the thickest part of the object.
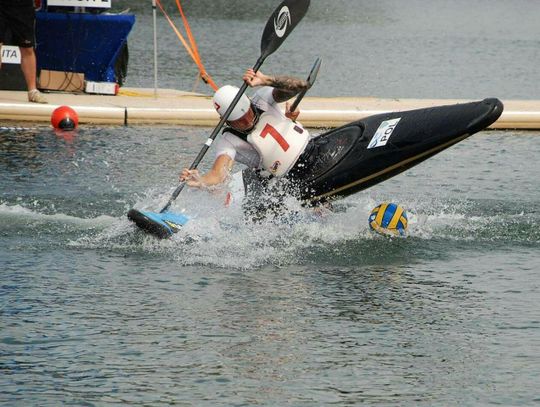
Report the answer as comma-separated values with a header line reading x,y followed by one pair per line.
x,y
64,118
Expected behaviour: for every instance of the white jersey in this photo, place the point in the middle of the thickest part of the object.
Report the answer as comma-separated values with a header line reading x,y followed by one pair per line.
x,y
279,143
240,150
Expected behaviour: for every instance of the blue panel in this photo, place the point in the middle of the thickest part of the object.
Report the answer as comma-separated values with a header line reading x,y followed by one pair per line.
x,y
81,42
167,219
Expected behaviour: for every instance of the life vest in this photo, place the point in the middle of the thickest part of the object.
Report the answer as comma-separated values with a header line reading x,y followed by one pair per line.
x,y
279,142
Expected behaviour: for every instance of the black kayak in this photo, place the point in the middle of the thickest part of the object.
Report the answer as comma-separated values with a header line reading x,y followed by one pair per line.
x,y
363,153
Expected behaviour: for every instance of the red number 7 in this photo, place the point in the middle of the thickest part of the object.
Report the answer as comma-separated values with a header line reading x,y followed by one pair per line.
x,y
268,129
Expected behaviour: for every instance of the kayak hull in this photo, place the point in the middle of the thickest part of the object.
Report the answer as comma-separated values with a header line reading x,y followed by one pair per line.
x,y
368,151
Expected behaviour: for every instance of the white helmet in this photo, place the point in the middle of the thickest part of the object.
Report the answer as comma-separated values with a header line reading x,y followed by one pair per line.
x,y
223,99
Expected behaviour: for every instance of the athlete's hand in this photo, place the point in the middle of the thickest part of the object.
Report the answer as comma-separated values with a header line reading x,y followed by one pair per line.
x,y
253,78
191,177
291,115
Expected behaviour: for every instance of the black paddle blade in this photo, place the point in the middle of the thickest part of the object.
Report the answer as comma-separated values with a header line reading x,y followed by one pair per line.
x,y
281,23
314,71
310,80
161,225
148,225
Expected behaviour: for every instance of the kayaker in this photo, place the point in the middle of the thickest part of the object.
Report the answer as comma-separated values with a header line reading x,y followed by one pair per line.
x,y
258,133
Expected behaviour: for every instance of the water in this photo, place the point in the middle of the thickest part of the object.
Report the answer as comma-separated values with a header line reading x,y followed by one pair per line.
x,y
316,311
432,49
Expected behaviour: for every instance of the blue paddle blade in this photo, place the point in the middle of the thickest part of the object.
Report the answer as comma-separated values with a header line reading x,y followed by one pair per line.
x,y
161,225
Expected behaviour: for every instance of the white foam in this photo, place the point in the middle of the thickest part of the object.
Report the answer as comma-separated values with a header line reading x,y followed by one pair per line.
x,y
19,211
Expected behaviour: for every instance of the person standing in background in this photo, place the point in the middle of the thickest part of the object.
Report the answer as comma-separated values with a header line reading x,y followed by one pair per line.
x,y
19,16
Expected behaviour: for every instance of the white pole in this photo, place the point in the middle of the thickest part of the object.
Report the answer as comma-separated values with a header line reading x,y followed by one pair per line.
x,y
155,48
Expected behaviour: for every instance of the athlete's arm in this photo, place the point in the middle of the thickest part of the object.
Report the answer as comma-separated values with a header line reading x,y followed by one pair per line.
x,y
217,175
285,87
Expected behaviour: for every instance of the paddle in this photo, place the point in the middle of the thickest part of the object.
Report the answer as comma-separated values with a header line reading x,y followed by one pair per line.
x,y
310,80
281,23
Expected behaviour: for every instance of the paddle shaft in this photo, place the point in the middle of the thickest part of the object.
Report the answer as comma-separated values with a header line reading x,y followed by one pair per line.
x,y
298,99
213,136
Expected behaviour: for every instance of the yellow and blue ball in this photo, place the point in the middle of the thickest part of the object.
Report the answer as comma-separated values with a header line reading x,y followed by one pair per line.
x,y
388,219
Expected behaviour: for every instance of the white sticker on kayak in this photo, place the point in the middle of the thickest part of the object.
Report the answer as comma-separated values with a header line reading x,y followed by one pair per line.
x,y
383,133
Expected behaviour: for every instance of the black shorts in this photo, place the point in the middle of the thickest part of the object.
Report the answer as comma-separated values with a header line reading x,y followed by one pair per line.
x,y
17,17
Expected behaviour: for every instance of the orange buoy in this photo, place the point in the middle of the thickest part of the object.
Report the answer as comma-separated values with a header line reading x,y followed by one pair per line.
x,y
64,118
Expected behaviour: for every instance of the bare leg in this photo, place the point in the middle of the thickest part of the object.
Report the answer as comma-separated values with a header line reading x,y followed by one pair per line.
x,y
28,66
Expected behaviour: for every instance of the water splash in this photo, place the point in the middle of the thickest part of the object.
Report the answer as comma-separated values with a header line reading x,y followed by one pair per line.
x,y
222,236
